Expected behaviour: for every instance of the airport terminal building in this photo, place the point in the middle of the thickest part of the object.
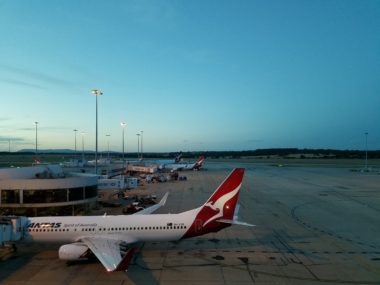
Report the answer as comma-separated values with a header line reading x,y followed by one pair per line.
x,y
45,190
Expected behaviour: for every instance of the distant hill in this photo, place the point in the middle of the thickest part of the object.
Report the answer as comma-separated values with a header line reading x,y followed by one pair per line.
x,y
258,153
47,150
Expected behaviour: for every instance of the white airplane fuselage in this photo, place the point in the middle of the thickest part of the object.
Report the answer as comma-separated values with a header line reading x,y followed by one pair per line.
x,y
158,227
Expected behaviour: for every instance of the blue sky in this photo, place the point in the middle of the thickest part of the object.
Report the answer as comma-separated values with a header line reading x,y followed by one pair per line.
x,y
193,75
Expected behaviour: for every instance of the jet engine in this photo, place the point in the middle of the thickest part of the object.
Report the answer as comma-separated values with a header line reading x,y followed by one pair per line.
x,y
74,251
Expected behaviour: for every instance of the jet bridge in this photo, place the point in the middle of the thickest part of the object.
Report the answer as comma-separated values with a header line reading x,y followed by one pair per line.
x,y
12,228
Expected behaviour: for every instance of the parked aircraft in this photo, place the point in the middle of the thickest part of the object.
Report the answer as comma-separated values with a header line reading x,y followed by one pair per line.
x,y
185,165
113,239
159,162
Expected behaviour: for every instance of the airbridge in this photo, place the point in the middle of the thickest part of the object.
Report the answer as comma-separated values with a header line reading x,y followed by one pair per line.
x,y
12,229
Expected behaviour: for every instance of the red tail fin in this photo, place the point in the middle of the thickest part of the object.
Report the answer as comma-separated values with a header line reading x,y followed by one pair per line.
x,y
198,163
221,205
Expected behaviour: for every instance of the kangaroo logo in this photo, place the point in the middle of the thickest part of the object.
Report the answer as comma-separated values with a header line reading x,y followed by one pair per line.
x,y
218,205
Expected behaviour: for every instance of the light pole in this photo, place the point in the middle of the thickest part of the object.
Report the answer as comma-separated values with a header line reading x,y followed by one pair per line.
x,y
36,124
108,146
142,152
138,146
122,124
9,146
96,92
75,142
366,150
82,133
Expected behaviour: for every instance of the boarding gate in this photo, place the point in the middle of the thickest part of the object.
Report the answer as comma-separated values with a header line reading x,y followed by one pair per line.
x,y
12,229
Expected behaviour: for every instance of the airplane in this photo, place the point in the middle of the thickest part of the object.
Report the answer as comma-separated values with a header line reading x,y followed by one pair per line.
x,y
113,239
158,162
185,165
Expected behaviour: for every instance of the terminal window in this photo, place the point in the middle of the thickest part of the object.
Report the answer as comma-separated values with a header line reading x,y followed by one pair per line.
x,y
10,196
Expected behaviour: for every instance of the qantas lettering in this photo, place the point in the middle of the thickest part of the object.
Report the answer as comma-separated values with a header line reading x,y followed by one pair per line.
x,y
45,225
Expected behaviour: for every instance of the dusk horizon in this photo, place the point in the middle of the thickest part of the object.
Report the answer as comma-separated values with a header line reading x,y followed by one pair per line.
x,y
226,76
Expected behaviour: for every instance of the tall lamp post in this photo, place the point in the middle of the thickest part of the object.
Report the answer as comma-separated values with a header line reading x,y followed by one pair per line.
x,y
97,93
366,150
36,124
75,142
138,146
142,152
108,146
122,124
82,133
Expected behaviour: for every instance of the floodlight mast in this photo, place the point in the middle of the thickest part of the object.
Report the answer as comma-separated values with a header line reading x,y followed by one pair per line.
x,y
97,93
108,146
123,125
36,124
366,151
141,149
82,133
75,142
138,146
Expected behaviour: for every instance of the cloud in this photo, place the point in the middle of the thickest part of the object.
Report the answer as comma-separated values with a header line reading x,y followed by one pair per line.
x,y
44,128
22,83
12,139
32,75
27,129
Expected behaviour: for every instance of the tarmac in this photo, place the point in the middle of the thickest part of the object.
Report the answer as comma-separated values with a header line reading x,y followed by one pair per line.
x,y
314,225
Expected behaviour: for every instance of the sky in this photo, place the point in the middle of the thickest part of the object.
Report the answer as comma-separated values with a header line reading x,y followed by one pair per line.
x,y
192,75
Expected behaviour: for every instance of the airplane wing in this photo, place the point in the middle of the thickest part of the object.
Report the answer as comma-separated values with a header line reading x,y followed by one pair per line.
x,y
107,250
153,208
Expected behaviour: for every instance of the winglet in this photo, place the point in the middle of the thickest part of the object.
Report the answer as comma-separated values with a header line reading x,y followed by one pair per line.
x,y
163,199
153,208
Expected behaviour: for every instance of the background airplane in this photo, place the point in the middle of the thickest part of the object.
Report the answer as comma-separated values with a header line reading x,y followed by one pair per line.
x,y
185,165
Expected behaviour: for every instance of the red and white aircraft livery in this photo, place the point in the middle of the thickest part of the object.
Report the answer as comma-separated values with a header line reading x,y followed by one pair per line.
x,y
113,239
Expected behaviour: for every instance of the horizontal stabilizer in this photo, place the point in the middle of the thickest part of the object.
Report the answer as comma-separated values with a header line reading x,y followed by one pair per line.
x,y
235,222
